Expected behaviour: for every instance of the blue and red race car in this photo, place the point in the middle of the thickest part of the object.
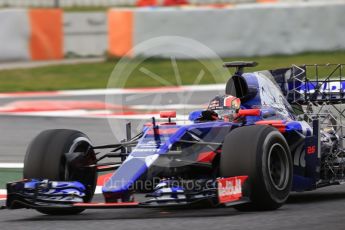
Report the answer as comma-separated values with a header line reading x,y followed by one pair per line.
x,y
271,141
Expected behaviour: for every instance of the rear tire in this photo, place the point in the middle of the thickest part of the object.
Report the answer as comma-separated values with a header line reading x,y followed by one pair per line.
x,y
60,155
261,152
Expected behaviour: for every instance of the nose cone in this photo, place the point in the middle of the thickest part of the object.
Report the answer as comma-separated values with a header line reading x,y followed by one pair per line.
x,y
127,174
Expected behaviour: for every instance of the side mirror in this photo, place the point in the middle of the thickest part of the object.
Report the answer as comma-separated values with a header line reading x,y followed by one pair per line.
x,y
167,114
249,112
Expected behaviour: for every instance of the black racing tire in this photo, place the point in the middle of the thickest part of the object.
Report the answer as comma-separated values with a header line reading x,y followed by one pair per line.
x,y
262,153
59,155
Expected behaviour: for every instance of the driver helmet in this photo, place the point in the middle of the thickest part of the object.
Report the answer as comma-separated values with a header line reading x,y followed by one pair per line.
x,y
226,106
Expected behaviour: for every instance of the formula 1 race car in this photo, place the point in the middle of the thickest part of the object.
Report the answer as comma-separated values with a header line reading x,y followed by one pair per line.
x,y
286,136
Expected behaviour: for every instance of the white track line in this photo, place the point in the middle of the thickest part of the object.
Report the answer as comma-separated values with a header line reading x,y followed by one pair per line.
x,y
98,190
90,114
169,106
211,87
11,165
141,117
3,192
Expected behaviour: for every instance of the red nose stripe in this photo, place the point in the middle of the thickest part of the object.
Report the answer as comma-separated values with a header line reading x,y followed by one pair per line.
x,y
162,131
206,157
103,178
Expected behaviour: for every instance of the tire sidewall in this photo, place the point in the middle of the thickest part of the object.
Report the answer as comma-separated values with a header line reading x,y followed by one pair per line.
x,y
88,178
46,153
263,182
46,158
67,149
245,152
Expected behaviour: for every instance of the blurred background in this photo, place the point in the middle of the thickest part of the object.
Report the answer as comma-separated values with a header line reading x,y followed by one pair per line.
x,y
75,44
57,56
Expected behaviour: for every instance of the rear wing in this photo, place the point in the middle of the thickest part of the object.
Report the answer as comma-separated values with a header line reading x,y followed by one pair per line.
x,y
316,92
307,84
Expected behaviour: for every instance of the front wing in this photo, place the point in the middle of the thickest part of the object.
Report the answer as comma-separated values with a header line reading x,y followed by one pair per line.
x,y
38,194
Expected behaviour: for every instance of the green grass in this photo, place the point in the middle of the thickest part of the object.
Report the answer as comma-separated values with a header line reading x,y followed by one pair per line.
x,y
96,75
8,175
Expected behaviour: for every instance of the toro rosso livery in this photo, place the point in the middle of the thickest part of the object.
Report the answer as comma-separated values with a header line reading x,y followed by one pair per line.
x,y
271,133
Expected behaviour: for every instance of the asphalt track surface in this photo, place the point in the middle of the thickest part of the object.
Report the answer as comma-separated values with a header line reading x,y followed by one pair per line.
x,y
321,209
318,210
18,131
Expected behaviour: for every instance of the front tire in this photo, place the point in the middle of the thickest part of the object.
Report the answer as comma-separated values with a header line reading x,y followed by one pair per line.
x,y
262,153
60,155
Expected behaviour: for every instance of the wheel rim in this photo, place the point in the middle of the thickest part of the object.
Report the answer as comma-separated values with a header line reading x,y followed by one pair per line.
x,y
79,144
86,177
278,166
